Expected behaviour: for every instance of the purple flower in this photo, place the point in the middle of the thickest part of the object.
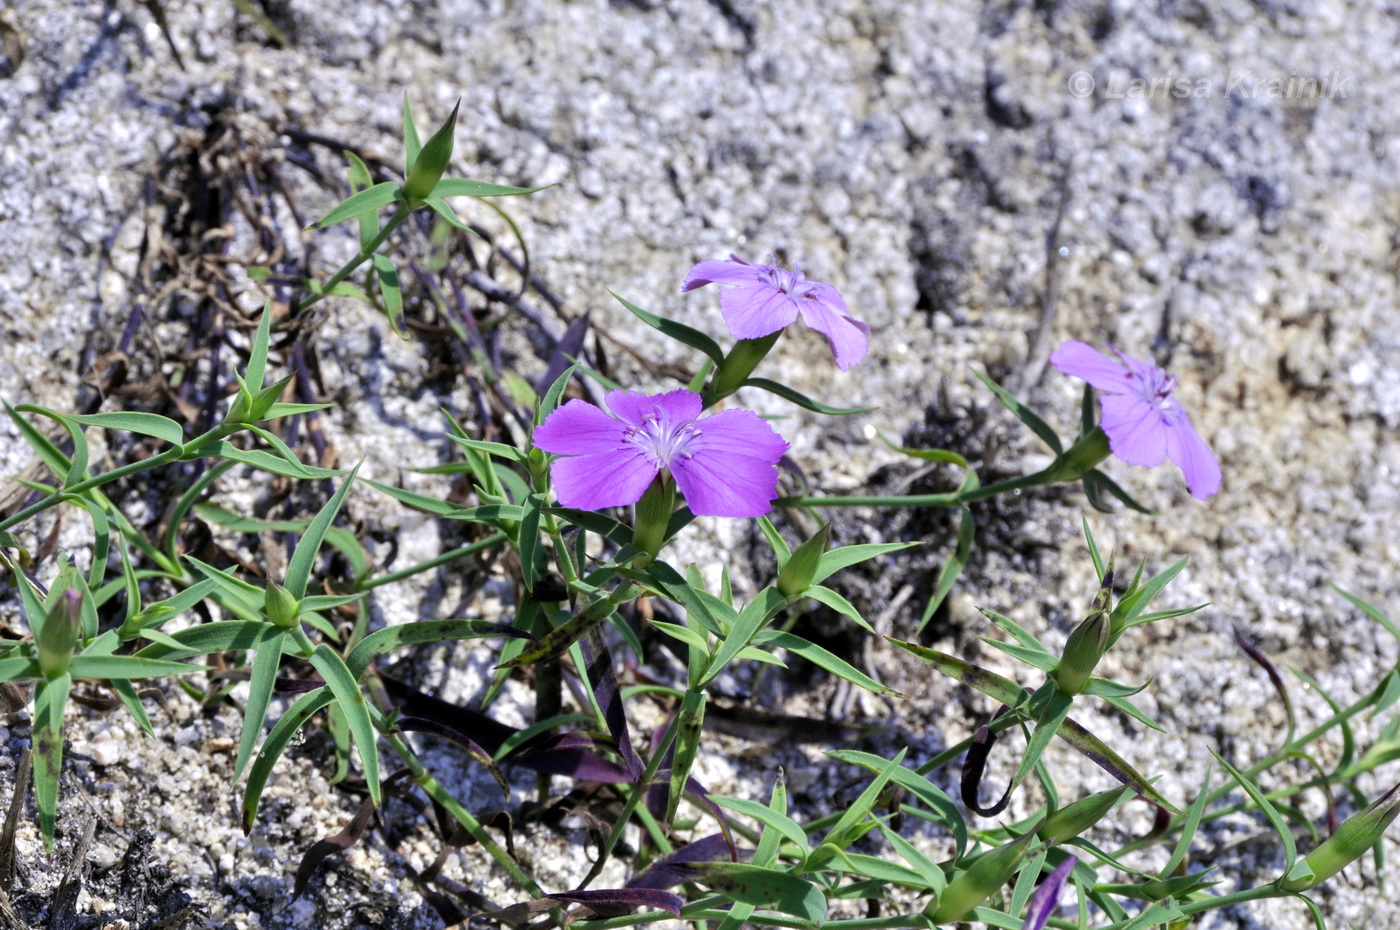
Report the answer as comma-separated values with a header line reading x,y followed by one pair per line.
x,y
1047,896
723,464
1144,423
758,300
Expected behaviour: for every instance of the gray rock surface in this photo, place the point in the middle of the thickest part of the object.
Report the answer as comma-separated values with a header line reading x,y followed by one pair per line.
x,y
928,160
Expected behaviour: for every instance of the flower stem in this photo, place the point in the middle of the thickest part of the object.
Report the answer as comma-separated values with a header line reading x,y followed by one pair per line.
x,y
400,214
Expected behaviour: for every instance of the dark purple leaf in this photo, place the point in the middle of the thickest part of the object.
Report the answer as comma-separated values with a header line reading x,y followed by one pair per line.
x,y
605,689
1047,896
679,867
424,725
570,345
1255,653
975,765
618,901
323,849
472,724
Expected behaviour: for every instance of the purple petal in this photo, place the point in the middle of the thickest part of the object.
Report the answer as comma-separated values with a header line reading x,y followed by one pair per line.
x,y
848,337
579,428
733,270
756,310
740,432
631,407
1047,897
1136,432
1189,451
733,472
1081,360
612,479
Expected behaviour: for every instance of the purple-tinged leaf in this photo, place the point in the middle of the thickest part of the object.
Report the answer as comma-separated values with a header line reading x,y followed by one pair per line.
x,y
474,725
680,866
425,725
975,764
570,755
1047,896
1255,653
322,849
570,347
605,690
615,902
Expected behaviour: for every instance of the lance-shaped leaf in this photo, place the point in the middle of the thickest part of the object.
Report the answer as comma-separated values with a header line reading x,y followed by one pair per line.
x,y
356,709
689,720
781,891
391,290
382,642
557,641
683,865
266,661
464,187
50,697
824,658
281,734
614,902
304,556
683,334
802,400
380,195
598,668
957,559
1022,413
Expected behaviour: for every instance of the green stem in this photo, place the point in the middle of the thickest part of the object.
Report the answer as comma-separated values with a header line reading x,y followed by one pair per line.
x,y
425,780
1226,900
692,913
400,214
638,792
461,552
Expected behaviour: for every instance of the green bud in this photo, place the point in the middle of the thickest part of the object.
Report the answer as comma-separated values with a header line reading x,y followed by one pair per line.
x,y
979,881
431,161
653,515
58,637
1087,644
1349,843
801,567
1072,820
739,364
281,607
253,406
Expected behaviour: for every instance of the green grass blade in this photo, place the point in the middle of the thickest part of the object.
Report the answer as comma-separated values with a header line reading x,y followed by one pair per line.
x,y
266,661
281,734
304,556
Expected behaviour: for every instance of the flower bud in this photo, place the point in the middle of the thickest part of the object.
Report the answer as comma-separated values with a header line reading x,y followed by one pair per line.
x,y
1072,820
1089,451
427,168
979,881
280,605
801,567
58,636
1350,842
1087,644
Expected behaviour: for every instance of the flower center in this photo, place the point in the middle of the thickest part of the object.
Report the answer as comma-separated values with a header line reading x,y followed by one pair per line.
x,y
662,440
792,282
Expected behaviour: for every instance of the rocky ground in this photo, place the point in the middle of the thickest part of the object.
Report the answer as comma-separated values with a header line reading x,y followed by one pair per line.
x,y
981,181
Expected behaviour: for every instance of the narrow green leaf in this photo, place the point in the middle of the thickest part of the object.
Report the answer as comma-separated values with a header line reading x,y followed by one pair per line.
x,y
677,331
352,703
281,734
765,815
689,720
277,411
146,424
498,449
266,661
837,559
464,187
1285,835
802,400
392,292
755,615
842,834
382,642
1093,549
1369,610
304,556
259,458
219,636
99,667
126,693
374,198
762,887
821,657
444,209
77,463
839,604
948,574
50,697
1022,413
